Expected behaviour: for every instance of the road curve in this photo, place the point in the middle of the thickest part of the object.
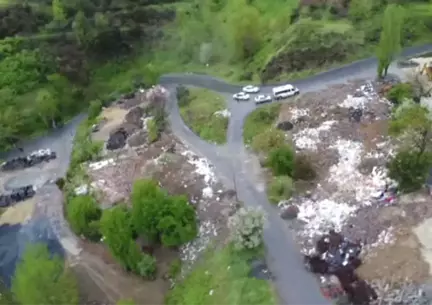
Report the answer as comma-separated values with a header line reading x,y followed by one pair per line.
x,y
294,284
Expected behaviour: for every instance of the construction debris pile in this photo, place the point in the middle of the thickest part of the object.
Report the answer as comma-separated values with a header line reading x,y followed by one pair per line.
x,y
17,195
337,257
34,158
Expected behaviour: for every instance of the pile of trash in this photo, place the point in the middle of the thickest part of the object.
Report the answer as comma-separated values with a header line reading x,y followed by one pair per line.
x,y
335,259
17,195
34,158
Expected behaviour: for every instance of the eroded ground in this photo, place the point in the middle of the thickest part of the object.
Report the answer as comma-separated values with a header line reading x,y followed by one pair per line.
x,y
344,132
179,171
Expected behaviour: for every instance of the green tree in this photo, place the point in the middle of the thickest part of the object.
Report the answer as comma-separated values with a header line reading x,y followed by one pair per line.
x,y
390,39
47,107
413,124
245,30
280,188
40,279
160,217
11,123
94,109
115,226
58,10
83,212
82,29
281,161
410,169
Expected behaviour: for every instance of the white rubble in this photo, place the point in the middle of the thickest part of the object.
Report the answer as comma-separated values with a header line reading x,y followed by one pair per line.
x,y
101,164
225,113
309,138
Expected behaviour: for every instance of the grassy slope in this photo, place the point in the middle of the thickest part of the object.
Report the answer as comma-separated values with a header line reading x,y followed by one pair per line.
x,y
222,278
198,114
259,120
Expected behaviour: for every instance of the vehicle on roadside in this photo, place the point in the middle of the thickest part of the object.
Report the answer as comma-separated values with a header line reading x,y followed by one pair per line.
x,y
285,91
241,96
261,99
251,89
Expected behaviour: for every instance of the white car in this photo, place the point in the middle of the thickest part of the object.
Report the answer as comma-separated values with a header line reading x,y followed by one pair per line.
x,y
261,99
241,96
251,89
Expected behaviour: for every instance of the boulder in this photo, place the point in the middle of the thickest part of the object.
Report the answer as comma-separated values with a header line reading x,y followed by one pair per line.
x,y
290,212
137,139
285,125
17,195
117,139
134,116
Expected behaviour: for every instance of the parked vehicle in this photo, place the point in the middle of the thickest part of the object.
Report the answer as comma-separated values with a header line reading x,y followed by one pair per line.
x,y
261,99
251,89
285,91
241,96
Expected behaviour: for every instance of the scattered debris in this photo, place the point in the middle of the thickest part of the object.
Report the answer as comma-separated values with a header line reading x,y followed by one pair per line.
x,y
34,158
17,195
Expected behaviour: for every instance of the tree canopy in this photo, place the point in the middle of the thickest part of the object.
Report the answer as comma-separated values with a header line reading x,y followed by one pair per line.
x,y
42,279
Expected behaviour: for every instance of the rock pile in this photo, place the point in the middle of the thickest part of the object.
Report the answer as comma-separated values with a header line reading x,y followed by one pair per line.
x,y
34,158
17,195
337,256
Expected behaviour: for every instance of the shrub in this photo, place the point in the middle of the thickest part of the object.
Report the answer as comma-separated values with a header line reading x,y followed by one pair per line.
x,y
267,140
410,169
152,130
281,161
115,225
94,109
170,220
60,182
147,267
400,92
83,212
259,120
183,96
303,168
246,228
174,268
280,188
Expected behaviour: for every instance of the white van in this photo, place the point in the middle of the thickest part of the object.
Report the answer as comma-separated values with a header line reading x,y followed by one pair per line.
x,y
285,91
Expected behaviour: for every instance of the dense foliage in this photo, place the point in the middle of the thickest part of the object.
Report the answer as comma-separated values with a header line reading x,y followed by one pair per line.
x,y
83,214
42,279
162,218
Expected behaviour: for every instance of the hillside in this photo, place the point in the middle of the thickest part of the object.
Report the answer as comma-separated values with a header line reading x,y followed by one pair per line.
x,y
57,56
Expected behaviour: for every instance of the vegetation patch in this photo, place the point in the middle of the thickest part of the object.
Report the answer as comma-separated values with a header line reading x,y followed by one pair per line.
x,y
223,277
203,111
259,121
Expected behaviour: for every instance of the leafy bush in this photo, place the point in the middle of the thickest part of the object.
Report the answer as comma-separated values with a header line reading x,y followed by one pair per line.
x,y
246,228
280,188
183,96
60,182
259,120
42,279
147,267
152,130
83,213
400,92
410,169
303,168
170,220
268,140
174,268
116,227
281,161
94,109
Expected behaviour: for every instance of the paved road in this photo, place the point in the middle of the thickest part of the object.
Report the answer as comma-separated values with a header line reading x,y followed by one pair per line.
x,y
47,225
295,286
